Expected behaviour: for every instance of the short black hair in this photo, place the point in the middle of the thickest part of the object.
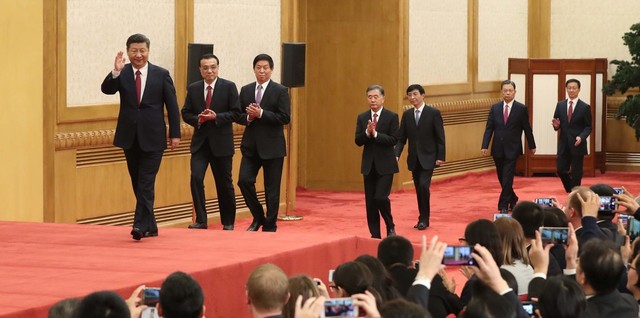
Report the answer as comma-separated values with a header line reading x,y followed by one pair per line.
x,y
485,233
601,264
102,304
554,217
375,86
508,82
413,87
138,38
572,80
401,308
63,308
530,216
263,57
486,303
181,296
562,297
207,56
394,250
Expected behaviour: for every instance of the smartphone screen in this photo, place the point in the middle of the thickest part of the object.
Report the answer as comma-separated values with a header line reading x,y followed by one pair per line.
x,y
555,235
529,307
501,215
624,220
607,204
633,228
340,307
544,202
458,255
150,296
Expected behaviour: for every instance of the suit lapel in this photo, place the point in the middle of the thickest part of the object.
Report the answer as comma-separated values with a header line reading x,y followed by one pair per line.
x,y
129,81
148,86
200,94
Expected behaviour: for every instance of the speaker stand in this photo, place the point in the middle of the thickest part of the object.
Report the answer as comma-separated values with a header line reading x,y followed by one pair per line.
x,y
288,217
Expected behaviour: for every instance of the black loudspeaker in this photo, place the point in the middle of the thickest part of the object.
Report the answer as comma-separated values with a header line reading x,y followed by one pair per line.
x,y
293,64
196,50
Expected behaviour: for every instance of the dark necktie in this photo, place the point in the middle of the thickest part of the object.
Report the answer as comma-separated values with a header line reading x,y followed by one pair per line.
x,y
259,95
506,113
417,116
570,113
208,101
138,87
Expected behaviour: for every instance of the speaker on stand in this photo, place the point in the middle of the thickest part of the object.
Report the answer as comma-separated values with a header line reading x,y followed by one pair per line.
x,y
293,74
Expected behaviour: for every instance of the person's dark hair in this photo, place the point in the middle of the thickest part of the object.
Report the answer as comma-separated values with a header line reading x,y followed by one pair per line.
x,y
263,57
268,287
181,296
299,285
102,304
355,278
376,86
63,308
508,82
207,56
562,297
401,308
486,303
530,216
413,87
572,80
138,38
395,249
382,280
554,217
485,233
601,264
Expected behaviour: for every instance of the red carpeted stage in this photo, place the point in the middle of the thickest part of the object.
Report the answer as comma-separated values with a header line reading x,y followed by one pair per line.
x,y
42,263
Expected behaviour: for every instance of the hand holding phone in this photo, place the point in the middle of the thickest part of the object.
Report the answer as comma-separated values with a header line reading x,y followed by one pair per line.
x,y
150,296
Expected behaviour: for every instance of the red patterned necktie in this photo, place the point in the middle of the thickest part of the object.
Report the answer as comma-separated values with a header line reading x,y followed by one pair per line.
x,y
506,113
375,119
138,87
208,101
570,113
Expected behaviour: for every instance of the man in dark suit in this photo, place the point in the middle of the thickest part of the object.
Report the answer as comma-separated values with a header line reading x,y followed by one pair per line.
x,y
423,126
507,120
266,109
211,107
573,118
376,130
145,90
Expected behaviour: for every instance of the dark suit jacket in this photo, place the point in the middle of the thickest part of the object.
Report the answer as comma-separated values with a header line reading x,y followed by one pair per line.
x,y
146,121
225,103
426,141
614,304
264,137
378,150
580,125
507,138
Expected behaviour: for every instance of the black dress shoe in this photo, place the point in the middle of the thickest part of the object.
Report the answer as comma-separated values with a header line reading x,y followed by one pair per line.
x,y
150,234
136,233
391,232
197,225
269,229
227,227
255,225
421,226
416,226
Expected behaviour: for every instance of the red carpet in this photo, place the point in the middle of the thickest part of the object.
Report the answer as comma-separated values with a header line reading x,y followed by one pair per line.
x,y
43,263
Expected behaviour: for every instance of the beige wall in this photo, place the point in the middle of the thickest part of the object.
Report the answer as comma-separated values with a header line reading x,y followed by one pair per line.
x,y
21,180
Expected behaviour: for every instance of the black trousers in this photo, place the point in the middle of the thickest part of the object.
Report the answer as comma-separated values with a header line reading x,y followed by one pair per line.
x,y
221,169
272,170
376,192
569,169
143,167
422,183
506,170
